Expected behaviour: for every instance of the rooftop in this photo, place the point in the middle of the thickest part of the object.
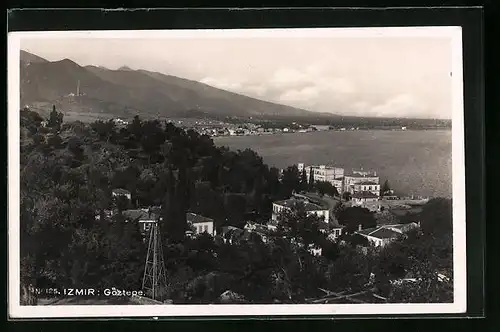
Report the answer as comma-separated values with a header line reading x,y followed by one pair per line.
x,y
194,218
367,183
294,202
364,194
386,231
360,173
121,191
140,214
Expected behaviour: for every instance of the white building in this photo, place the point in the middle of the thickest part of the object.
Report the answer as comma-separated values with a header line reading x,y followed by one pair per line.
x,y
335,232
361,181
121,192
145,218
381,236
324,173
201,224
367,200
293,203
367,186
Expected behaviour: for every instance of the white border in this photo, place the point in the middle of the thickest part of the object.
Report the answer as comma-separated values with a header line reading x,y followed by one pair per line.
x,y
459,255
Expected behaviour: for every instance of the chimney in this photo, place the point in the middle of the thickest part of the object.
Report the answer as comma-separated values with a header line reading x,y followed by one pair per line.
x,y
360,228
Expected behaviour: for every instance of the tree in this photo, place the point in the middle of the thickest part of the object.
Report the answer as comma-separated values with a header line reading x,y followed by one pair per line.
x,y
436,216
55,142
234,208
325,187
420,256
55,119
299,227
352,217
38,139
311,177
303,179
104,130
350,272
290,181
135,128
386,189
338,208
346,196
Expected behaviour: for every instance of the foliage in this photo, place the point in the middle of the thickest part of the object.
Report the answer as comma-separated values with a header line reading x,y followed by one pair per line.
x,y
436,216
311,176
299,227
325,187
385,189
67,179
352,217
55,119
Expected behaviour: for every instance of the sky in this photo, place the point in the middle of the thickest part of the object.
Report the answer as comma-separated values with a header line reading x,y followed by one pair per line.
x,y
389,77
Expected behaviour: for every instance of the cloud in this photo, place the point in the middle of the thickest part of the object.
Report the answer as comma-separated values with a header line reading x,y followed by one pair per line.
x,y
400,104
221,84
315,88
311,87
303,96
255,89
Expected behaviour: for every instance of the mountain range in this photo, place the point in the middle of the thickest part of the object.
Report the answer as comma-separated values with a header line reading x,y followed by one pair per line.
x,y
97,91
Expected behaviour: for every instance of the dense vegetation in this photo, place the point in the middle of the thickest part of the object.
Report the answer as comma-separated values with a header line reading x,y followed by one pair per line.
x,y
69,169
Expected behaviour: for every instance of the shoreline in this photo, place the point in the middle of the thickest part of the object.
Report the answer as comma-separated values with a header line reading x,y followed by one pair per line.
x,y
323,131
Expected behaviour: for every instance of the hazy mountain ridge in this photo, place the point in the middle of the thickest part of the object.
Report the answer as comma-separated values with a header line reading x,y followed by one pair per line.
x,y
147,92
27,57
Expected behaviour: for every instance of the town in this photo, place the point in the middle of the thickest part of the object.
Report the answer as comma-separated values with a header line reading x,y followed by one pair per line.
x,y
358,189
215,128
151,206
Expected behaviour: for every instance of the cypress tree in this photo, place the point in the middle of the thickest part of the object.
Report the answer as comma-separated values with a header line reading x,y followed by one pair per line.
x,y
311,177
303,179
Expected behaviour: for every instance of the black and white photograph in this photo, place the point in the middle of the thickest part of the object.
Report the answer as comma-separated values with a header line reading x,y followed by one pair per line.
x,y
211,172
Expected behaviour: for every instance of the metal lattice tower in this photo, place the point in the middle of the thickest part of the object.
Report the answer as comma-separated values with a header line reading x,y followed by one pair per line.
x,y
155,275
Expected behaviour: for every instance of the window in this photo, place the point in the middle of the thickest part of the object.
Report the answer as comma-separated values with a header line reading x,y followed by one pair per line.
x,y
205,228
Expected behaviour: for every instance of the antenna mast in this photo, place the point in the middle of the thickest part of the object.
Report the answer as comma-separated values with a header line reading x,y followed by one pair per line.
x,y
154,280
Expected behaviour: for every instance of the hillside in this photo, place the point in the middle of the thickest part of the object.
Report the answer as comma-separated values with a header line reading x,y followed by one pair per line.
x,y
27,57
124,91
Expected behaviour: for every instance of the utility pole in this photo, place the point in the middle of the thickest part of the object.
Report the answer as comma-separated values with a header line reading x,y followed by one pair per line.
x,y
154,272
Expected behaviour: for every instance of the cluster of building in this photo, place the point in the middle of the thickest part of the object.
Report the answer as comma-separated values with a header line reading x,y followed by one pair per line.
x,y
249,129
364,186
145,217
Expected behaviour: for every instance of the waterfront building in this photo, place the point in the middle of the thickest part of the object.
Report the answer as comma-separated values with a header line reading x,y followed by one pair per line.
x,y
366,199
325,173
362,181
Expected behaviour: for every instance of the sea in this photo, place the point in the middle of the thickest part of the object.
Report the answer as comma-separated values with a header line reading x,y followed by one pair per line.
x,y
414,162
